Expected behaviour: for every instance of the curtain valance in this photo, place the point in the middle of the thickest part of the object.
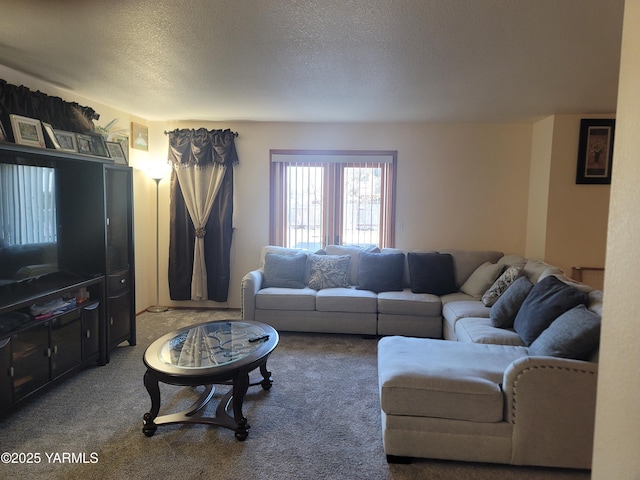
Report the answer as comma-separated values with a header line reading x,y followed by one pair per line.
x,y
201,148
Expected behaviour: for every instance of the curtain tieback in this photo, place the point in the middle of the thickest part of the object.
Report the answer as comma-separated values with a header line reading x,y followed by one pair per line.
x,y
200,232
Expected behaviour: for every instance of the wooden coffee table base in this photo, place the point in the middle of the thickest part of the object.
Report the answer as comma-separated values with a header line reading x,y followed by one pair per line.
x,y
235,396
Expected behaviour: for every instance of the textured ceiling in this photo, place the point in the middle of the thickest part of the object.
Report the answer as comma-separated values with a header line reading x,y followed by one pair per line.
x,y
324,60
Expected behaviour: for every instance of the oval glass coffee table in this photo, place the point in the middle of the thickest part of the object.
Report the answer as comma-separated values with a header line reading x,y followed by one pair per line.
x,y
209,354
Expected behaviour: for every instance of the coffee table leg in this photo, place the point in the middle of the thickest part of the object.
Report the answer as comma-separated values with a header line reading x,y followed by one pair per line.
x,y
151,384
266,375
240,386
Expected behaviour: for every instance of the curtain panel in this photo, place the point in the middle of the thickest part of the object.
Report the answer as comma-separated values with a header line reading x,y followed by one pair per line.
x,y
201,211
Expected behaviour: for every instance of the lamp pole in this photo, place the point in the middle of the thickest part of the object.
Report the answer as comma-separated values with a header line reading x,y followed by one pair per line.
x,y
157,308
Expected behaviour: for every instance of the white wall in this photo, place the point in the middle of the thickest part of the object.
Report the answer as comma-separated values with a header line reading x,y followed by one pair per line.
x,y
617,439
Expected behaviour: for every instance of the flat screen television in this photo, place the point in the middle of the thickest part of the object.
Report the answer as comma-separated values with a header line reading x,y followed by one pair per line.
x,y
28,222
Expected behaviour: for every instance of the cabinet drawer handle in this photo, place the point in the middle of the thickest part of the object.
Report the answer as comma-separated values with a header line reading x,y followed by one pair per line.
x,y
11,371
122,281
88,333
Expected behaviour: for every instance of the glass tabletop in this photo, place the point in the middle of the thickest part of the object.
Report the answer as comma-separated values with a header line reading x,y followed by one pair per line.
x,y
213,344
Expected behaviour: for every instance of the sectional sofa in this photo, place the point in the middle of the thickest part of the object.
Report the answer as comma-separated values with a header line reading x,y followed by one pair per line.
x,y
515,380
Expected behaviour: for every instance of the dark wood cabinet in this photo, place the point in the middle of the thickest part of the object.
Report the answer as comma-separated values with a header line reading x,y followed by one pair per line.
x,y
90,262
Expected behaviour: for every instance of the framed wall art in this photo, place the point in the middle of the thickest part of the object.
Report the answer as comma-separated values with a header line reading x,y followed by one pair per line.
x,y
595,151
66,140
27,131
139,136
116,153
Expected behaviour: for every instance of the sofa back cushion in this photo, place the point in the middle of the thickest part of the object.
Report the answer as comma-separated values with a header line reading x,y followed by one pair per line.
x,y
381,272
575,334
431,273
286,271
481,279
465,262
548,299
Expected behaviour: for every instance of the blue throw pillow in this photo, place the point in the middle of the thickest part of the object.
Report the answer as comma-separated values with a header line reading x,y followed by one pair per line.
x,y
431,273
575,334
548,299
504,311
284,270
380,272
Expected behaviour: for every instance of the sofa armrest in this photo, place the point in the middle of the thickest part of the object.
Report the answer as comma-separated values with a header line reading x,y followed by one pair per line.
x,y
251,284
551,404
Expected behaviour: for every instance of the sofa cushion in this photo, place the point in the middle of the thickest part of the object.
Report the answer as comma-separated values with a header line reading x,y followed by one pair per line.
x,y
480,330
481,279
548,299
346,300
431,273
354,252
466,261
285,271
454,311
408,303
504,311
574,334
329,271
439,379
503,282
381,272
534,268
274,298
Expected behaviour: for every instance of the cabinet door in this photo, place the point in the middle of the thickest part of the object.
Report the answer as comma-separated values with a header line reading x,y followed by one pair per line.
x,y
6,386
90,330
30,355
119,318
66,343
118,202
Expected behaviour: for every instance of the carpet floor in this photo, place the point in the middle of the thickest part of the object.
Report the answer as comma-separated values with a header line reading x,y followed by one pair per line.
x,y
320,420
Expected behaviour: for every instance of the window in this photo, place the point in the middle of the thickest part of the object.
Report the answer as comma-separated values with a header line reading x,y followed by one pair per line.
x,y
27,205
332,197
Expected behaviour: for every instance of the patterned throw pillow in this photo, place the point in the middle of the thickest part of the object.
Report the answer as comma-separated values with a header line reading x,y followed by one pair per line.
x,y
509,276
329,271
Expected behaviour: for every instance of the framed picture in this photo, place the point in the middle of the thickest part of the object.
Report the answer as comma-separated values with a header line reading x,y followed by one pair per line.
x,y
50,136
139,136
91,144
66,140
27,131
116,152
3,134
123,140
595,151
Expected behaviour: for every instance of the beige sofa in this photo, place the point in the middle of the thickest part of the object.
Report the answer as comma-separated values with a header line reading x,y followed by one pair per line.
x,y
487,394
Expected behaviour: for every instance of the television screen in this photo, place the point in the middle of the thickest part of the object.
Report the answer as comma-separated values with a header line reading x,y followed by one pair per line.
x,y
28,222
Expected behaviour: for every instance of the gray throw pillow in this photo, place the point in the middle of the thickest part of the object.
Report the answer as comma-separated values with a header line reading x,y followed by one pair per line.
x,y
285,271
574,334
329,271
381,272
548,299
504,311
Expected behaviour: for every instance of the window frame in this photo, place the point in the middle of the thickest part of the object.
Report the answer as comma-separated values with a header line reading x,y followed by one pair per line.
x,y
340,159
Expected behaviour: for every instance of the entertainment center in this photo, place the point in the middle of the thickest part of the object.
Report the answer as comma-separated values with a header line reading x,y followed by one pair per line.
x,y
70,300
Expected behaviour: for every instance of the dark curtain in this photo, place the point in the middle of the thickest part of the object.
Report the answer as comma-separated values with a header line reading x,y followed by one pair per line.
x,y
198,147
60,114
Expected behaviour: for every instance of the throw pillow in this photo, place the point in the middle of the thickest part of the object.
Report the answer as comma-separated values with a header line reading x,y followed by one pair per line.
x,y
548,299
504,311
574,334
285,271
431,273
481,279
503,282
329,271
380,272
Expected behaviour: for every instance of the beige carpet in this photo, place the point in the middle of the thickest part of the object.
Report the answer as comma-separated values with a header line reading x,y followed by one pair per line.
x,y
321,420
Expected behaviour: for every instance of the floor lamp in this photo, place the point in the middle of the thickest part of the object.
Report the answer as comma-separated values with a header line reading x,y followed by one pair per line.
x,y
157,308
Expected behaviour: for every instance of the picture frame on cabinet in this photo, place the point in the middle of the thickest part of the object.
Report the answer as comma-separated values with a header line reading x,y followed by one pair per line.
x,y
595,151
83,142
98,146
116,152
3,134
27,131
66,140
50,135
123,140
